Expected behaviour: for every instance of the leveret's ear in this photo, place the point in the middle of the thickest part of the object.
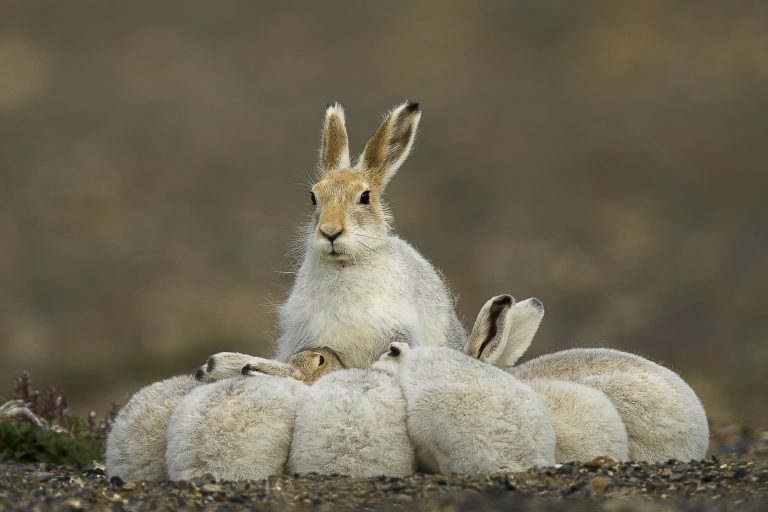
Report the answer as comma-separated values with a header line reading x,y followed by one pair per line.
x,y
316,360
397,348
489,335
334,148
388,148
526,319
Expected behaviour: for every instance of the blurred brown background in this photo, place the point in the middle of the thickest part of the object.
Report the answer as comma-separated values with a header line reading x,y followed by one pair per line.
x,y
608,157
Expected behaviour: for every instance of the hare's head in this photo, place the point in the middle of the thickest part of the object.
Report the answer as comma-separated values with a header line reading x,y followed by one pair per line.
x,y
349,216
313,364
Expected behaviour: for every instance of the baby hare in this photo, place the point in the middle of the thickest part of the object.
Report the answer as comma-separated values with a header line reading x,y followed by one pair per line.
x,y
585,422
136,442
465,416
234,429
662,416
307,366
352,422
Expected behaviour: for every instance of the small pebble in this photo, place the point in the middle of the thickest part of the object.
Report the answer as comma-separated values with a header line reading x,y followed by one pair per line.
x,y
39,476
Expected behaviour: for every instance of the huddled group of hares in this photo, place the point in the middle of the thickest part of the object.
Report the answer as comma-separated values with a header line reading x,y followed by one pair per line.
x,y
375,375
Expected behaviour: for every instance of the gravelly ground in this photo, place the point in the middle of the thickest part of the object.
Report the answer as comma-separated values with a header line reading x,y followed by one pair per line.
x,y
736,479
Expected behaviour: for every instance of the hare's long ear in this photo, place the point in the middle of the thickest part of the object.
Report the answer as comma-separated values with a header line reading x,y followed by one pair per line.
x,y
388,148
491,331
334,148
526,319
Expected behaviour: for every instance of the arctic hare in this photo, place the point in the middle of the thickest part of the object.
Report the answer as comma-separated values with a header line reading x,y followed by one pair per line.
x,y
663,416
352,422
465,416
307,366
360,287
585,422
234,429
136,443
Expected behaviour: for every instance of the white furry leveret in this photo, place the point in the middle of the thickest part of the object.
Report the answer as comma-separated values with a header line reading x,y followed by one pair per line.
x,y
465,416
360,287
352,422
664,418
136,443
585,422
234,429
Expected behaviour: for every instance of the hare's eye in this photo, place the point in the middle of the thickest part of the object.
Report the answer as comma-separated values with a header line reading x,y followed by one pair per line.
x,y
321,361
312,196
365,197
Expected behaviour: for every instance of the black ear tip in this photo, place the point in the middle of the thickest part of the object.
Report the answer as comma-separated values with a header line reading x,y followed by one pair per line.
x,y
332,104
500,303
394,351
199,374
412,107
537,304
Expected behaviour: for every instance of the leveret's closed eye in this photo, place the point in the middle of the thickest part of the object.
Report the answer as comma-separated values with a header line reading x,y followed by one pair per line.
x,y
321,361
312,196
365,197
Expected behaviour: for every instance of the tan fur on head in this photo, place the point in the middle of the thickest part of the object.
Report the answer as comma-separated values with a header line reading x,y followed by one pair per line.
x,y
350,218
313,364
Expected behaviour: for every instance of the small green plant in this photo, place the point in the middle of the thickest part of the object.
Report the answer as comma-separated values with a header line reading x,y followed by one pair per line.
x,y
47,432
26,443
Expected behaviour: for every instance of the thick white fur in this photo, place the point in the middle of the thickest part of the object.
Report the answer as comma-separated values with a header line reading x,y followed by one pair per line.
x,y
352,422
136,443
394,294
234,429
664,418
465,416
586,423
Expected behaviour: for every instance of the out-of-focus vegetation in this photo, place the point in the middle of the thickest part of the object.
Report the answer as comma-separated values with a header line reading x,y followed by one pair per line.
x,y
25,443
49,433
608,157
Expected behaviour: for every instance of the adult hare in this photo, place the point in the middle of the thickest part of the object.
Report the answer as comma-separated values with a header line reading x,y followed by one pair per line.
x,y
359,287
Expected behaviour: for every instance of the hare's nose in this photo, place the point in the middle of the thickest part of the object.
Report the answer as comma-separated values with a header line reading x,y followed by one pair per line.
x,y
331,233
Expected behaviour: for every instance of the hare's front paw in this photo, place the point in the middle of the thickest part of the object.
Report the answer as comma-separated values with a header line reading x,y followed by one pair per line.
x,y
222,366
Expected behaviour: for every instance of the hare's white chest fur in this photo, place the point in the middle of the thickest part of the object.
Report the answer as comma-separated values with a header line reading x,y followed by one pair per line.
x,y
358,309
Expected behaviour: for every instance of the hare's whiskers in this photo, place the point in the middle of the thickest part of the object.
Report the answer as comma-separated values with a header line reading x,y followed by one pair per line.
x,y
367,236
366,246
